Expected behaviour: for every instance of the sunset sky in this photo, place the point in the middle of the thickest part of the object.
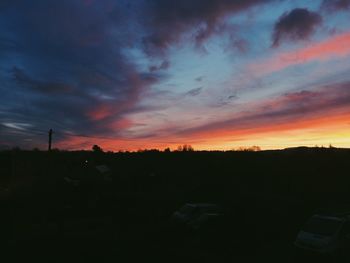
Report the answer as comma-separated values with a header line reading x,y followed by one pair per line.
x,y
137,74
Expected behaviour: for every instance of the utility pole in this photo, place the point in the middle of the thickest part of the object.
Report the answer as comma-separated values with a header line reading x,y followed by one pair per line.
x,y
50,139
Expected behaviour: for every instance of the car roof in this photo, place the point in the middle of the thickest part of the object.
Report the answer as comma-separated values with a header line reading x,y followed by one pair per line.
x,y
330,217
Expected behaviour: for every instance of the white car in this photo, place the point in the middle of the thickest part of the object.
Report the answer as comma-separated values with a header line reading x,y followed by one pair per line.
x,y
324,233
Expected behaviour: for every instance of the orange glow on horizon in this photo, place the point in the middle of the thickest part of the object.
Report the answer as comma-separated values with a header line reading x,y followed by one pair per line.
x,y
319,131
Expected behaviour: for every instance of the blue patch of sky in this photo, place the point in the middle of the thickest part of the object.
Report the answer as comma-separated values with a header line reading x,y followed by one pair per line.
x,y
338,21
188,64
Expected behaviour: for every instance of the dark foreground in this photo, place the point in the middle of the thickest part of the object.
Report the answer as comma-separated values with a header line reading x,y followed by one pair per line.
x,y
124,214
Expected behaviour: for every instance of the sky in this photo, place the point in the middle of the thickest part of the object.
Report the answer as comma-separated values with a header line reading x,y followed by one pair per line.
x,y
152,74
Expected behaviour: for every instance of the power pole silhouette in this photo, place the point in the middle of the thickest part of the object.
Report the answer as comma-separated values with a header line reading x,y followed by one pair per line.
x,y
50,139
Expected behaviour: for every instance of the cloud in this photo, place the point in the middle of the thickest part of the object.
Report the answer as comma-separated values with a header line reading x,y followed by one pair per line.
x,y
36,85
72,73
337,46
79,67
199,79
298,24
288,108
194,92
336,5
6,3
163,66
17,126
169,20
241,45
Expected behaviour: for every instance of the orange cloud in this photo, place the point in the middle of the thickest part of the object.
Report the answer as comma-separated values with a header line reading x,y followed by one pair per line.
x,y
100,113
120,124
334,47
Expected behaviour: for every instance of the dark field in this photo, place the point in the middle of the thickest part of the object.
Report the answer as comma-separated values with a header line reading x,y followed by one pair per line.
x,y
125,214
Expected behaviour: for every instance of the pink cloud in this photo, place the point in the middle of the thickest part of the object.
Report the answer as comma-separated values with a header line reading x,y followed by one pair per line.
x,y
334,47
100,113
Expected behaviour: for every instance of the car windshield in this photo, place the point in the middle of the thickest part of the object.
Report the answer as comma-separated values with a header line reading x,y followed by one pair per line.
x,y
322,226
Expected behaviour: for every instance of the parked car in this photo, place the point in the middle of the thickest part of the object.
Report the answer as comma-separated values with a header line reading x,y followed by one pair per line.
x,y
325,233
197,216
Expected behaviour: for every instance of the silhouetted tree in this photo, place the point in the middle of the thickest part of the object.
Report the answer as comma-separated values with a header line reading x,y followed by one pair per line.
x,y
97,149
255,148
185,148
167,150
249,149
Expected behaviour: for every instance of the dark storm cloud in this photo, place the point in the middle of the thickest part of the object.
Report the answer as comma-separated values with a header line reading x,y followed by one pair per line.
x,y
37,85
65,67
6,3
298,24
170,19
336,5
